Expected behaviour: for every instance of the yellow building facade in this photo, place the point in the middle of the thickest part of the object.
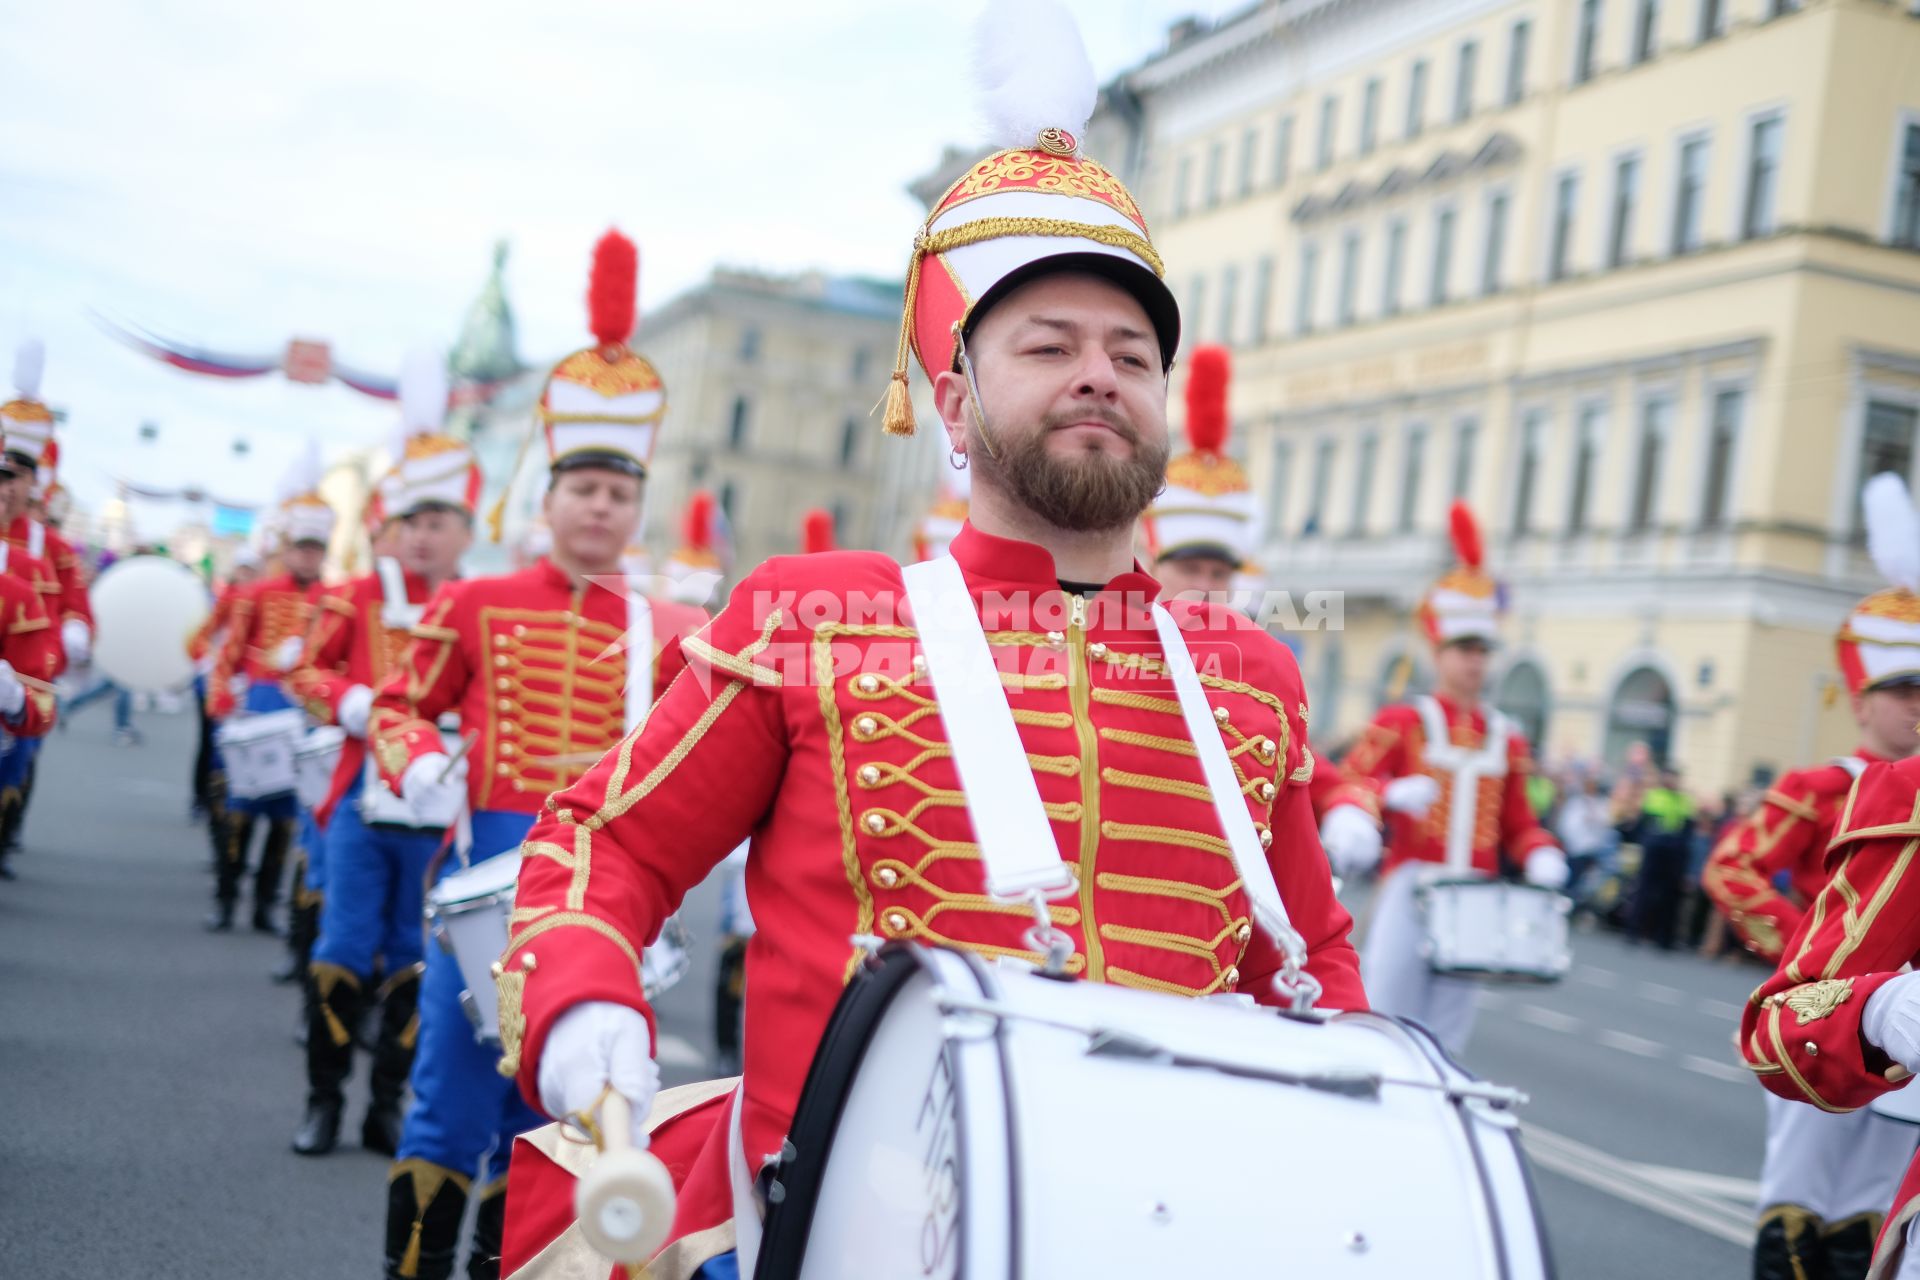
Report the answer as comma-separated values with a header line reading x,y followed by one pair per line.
x,y
1638,280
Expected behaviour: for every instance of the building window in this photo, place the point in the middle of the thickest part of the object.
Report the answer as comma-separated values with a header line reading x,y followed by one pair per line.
x,y
1317,494
726,499
1277,484
1363,484
1283,151
1196,306
1723,432
1395,266
1370,116
749,344
1626,193
1587,435
1689,197
1566,198
1249,149
1518,42
1646,31
1303,299
1885,445
1781,8
1906,200
1182,184
861,358
1523,699
1262,300
1349,275
1329,121
1641,711
1463,80
1713,20
1533,433
1216,164
1229,303
1496,248
1763,175
1656,421
849,441
1417,98
1466,435
1412,466
737,423
1442,258
1586,43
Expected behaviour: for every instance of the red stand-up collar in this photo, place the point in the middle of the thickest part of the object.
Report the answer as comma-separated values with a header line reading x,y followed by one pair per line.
x,y
1008,562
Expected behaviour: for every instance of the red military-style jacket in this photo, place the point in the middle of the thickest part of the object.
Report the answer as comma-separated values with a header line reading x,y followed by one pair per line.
x,y
804,721
1788,833
44,543
536,668
39,576
349,643
1801,1033
265,614
31,643
1333,786
212,629
1397,744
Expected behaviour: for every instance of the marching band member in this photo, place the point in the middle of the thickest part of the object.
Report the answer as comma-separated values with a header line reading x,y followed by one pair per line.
x,y
370,905
209,788
536,662
1035,304
1451,773
1829,1177
29,651
1201,534
268,625
696,566
945,518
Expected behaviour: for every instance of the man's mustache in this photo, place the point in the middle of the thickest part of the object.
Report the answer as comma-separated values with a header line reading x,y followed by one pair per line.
x,y
1112,417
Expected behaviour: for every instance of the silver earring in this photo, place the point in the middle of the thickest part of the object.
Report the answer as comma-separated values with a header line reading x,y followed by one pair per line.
x,y
957,460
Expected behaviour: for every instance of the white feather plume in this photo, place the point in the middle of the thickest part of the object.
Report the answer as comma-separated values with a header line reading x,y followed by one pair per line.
x,y
423,392
1893,530
303,476
1031,71
29,365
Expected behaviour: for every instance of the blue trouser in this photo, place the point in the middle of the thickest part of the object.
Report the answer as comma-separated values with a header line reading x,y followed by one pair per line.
x,y
16,762
375,886
463,1109
724,1267
262,698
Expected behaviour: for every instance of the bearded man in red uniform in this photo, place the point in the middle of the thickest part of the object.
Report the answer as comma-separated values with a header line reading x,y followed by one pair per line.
x,y
803,721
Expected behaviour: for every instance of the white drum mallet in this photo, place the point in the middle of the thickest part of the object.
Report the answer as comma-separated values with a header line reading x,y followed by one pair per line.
x,y
624,1203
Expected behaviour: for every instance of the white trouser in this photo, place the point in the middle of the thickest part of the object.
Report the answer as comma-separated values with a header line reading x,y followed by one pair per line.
x,y
1834,1166
1395,971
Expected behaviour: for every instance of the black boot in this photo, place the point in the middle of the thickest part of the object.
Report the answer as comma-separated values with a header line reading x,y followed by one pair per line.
x,y
266,880
1849,1246
238,832
392,1060
219,816
11,803
489,1227
303,930
336,997
425,1203
1789,1245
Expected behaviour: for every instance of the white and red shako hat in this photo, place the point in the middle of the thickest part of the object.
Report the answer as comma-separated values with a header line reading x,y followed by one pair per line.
x,y
1037,206
1879,643
942,522
1466,603
698,551
431,468
1207,507
304,515
25,421
603,404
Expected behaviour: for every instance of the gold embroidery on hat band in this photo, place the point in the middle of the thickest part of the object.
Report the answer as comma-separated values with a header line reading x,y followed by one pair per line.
x,y
982,229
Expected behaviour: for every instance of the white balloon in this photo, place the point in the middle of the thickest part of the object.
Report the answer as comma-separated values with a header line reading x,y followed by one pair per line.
x,y
144,610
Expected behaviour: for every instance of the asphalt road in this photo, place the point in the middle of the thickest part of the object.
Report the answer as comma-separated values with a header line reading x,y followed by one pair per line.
x,y
151,1083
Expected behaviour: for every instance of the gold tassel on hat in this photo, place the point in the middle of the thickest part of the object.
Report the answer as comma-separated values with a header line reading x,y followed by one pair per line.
x,y
1397,679
497,514
898,419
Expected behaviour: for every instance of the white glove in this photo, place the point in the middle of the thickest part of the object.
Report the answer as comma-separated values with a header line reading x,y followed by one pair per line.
x,y
1352,840
1547,868
1891,1020
435,802
77,639
13,694
1412,795
356,704
592,1045
286,654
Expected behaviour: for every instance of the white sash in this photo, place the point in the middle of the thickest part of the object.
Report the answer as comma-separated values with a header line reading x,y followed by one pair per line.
x,y
36,539
1464,769
1003,800
397,613
639,658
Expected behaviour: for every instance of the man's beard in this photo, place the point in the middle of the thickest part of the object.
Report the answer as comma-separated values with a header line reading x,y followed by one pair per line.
x,y
1089,491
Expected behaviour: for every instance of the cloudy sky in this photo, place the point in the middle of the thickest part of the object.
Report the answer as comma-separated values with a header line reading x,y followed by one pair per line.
x,y
234,174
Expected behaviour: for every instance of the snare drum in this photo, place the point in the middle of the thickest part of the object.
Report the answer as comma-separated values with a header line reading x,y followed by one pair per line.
x,y
259,752
470,911
314,762
1496,929
971,1120
382,806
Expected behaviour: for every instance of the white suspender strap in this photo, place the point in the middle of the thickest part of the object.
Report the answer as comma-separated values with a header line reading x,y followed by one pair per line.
x,y
393,581
36,539
1009,822
639,658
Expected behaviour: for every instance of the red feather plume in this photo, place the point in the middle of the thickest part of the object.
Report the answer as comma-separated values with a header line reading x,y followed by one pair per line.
x,y
614,289
817,531
1466,535
696,531
1208,369
50,456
